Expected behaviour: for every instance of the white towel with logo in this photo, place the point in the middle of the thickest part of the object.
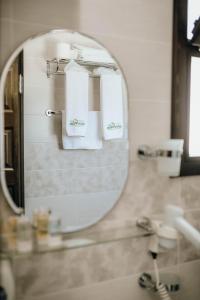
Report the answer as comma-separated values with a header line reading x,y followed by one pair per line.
x,y
111,97
93,138
76,99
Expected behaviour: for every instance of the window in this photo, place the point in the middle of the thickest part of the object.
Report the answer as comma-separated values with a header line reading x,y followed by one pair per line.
x,y
193,13
194,118
186,82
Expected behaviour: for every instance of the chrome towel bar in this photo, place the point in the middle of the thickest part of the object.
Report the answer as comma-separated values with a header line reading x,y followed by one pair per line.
x,y
58,70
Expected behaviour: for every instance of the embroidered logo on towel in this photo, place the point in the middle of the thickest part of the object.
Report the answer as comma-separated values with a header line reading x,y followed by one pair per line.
x,y
76,123
113,126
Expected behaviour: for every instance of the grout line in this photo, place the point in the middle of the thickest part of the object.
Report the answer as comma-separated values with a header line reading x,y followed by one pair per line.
x,y
149,100
121,166
129,38
45,25
74,194
186,210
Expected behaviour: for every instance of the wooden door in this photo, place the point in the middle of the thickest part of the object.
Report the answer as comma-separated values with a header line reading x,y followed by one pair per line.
x,y
13,131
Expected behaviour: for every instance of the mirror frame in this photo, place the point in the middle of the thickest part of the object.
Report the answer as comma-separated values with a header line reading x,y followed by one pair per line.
x,y
17,210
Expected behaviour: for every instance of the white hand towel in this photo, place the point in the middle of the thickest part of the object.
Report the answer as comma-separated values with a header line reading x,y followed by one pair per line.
x,y
76,99
92,140
111,97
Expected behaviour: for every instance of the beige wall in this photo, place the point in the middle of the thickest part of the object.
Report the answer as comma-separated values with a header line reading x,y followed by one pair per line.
x,y
139,34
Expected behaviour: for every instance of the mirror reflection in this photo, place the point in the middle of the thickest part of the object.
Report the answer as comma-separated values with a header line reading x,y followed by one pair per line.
x,y
65,129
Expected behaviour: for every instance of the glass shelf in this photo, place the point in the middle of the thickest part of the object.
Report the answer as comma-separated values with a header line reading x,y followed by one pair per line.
x,y
84,239
76,240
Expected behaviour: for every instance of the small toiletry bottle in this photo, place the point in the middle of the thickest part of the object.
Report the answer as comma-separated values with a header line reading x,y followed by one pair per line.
x,y
24,235
34,218
12,229
9,233
55,237
41,220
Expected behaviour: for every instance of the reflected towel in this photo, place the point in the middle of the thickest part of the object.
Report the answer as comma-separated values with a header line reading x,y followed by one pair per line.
x,y
76,99
111,97
92,140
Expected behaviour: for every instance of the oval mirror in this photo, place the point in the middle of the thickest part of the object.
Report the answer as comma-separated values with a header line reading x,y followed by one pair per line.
x,y
64,137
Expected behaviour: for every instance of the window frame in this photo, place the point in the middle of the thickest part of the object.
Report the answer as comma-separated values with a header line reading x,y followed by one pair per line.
x,y
183,50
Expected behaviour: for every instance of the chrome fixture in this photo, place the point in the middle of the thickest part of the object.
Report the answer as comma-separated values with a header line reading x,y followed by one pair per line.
x,y
58,64
168,155
145,151
50,113
145,281
163,237
173,218
171,282
146,224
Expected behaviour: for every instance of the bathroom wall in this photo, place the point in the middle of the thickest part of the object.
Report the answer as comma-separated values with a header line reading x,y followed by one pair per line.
x,y
139,34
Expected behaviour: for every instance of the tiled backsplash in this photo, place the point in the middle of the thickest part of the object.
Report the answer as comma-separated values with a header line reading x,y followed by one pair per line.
x,y
127,287
139,34
85,266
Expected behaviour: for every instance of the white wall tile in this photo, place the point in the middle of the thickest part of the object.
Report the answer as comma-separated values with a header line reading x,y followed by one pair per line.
x,y
146,65
128,289
45,12
41,128
47,156
127,18
76,181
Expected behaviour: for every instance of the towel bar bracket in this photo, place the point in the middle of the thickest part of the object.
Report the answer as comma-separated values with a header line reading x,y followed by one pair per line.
x,y
50,113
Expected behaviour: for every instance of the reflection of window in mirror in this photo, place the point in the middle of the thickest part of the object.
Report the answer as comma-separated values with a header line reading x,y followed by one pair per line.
x,y
13,131
185,84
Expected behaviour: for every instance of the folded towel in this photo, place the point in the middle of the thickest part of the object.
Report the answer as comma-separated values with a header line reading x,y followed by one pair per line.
x,y
111,98
76,99
92,140
93,54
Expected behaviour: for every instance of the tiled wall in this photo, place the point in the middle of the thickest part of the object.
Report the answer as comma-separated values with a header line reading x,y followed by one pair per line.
x,y
108,288
139,34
